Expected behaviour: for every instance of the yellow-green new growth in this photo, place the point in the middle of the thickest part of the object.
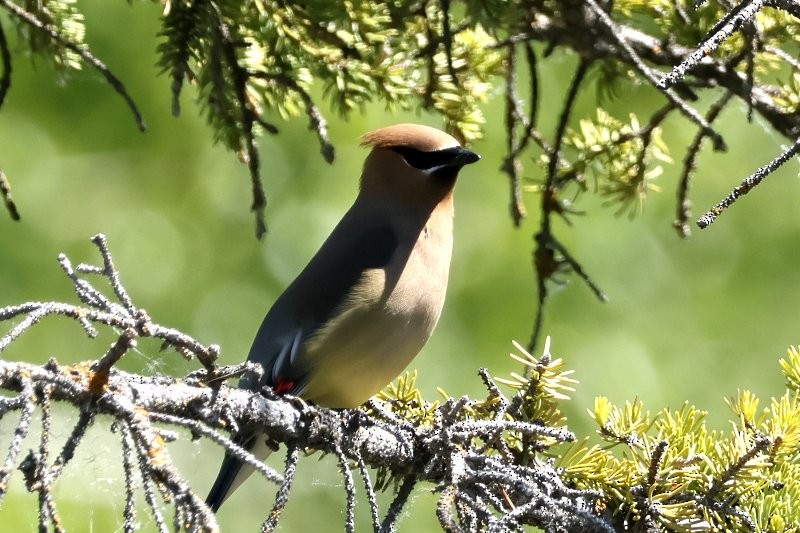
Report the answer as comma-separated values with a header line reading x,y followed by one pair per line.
x,y
672,471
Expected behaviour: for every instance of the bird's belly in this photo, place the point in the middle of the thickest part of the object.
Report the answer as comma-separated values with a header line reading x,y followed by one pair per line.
x,y
366,349
388,317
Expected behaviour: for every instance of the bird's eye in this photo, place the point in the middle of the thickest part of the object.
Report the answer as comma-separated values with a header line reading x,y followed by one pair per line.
x,y
428,160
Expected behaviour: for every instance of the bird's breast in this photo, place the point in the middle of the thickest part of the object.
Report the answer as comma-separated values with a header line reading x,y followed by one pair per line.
x,y
387,319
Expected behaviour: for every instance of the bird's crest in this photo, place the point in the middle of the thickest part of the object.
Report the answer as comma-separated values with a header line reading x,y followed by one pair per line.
x,y
422,138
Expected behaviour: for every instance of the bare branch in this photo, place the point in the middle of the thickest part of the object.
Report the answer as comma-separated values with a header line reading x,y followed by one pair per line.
x,y
618,37
689,162
101,310
5,59
145,407
282,497
722,31
5,193
748,184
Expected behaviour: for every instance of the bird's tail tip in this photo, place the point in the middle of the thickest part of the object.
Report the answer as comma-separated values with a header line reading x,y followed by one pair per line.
x,y
222,487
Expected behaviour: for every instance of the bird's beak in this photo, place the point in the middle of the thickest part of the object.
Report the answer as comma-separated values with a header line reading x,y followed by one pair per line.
x,y
463,157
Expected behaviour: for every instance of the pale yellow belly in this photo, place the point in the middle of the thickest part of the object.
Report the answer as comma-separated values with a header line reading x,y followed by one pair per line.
x,y
370,344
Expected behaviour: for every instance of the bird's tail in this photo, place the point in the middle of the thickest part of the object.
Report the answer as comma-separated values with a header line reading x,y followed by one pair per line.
x,y
233,472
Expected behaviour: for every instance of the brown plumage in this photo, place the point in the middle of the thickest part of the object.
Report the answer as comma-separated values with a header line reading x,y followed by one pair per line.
x,y
422,138
369,299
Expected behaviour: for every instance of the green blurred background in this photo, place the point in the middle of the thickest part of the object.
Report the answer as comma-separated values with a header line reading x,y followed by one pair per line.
x,y
686,321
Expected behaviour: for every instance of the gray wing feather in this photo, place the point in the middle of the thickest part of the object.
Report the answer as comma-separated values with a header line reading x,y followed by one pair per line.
x,y
313,298
306,305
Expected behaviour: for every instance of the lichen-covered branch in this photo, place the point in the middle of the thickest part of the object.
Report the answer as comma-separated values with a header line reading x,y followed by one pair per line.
x,y
425,454
400,437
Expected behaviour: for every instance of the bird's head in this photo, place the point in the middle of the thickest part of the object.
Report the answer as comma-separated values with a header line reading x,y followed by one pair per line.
x,y
413,162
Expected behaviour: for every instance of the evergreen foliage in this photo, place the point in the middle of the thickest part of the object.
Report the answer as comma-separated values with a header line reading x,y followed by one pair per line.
x,y
247,61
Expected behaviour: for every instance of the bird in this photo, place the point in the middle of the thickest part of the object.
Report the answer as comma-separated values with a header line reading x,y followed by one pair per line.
x,y
369,299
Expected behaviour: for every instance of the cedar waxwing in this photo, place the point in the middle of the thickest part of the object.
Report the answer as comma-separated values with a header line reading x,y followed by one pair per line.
x,y
369,299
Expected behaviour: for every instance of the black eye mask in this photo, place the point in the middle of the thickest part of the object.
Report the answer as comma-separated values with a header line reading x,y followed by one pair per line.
x,y
455,157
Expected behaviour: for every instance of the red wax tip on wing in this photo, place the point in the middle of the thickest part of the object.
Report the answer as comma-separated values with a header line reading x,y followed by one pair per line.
x,y
283,386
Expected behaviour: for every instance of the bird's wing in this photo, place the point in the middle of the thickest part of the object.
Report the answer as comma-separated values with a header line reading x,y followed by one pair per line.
x,y
316,296
307,304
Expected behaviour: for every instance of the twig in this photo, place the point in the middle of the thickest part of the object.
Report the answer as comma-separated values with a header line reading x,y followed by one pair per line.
x,y
721,31
43,481
515,146
397,504
561,128
370,489
760,444
101,368
545,261
101,310
446,500
783,56
616,35
689,162
350,490
198,428
511,165
129,513
20,432
447,40
68,450
282,497
656,460
192,510
111,272
5,191
147,483
790,6
747,185
250,151
5,58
